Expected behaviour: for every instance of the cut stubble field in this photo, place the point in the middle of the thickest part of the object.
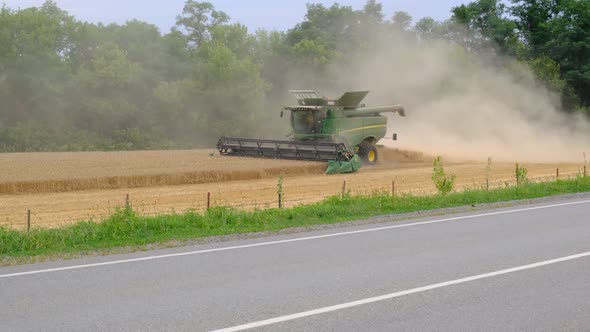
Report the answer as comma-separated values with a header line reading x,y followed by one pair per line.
x,y
62,188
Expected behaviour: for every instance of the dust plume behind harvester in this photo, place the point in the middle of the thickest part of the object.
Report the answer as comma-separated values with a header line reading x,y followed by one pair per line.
x,y
342,132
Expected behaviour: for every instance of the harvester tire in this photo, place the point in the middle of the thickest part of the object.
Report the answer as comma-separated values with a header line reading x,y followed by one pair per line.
x,y
368,153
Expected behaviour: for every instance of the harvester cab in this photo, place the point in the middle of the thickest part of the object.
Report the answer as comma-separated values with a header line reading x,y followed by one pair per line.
x,y
342,132
307,118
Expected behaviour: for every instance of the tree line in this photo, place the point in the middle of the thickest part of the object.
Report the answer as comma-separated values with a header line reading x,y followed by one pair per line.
x,y
69,85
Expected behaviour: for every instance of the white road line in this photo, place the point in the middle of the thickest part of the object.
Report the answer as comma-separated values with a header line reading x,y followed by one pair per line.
x,y
389,296
261,244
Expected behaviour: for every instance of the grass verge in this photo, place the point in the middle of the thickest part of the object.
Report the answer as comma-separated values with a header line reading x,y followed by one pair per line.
x,y
126,228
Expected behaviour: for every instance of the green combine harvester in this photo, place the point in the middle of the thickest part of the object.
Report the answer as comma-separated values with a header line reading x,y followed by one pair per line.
x,y
342,132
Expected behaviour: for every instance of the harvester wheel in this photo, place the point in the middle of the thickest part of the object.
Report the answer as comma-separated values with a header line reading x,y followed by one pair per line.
x,y
368,153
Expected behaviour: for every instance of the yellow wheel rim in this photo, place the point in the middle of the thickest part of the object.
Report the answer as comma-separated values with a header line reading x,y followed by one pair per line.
x,y
371,156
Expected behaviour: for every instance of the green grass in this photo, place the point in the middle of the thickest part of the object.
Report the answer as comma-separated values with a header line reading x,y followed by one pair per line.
x,y
126,228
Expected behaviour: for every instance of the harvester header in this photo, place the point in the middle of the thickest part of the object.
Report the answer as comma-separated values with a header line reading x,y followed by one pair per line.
x,y
342,132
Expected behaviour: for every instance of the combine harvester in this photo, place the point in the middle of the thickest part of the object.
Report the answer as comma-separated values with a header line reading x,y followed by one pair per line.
x,y
342,132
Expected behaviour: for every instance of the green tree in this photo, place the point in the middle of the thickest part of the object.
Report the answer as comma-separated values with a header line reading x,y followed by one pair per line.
x,y
70,85
334,27
402,21
548,72
374,11
533,19
428,28
489,26
109,69
559,30
103,83
312,52
232,89
31,69
198,18
570,46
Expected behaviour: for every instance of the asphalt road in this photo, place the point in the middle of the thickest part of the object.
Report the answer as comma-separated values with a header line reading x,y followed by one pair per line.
x,y
522,268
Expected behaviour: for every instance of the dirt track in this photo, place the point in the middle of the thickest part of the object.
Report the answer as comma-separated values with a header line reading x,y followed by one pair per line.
x,y
411,172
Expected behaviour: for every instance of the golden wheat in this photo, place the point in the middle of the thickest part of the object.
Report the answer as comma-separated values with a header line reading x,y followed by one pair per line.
x,y
63,172
57,209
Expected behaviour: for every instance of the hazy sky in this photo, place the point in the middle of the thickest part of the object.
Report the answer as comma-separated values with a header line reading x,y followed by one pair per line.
x,y
255,14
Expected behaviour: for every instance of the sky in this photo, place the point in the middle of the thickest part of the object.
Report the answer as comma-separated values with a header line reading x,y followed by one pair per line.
x,y
255,14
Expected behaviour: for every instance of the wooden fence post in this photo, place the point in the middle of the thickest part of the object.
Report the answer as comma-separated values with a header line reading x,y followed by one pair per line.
x,y
488,184
280,200
557,173
208,200
343,188
28,220
393,188
127,201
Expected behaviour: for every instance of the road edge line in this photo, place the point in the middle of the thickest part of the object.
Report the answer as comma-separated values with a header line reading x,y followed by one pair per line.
x,y
389,296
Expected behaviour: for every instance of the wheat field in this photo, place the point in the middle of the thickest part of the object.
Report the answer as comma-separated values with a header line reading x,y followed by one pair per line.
x,y
156,182
76,171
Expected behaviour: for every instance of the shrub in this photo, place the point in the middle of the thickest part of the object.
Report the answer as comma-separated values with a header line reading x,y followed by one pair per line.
x,y
444,184
521,174
488,173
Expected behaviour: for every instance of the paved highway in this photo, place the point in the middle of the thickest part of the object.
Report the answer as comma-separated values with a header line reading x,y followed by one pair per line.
x,y
519,268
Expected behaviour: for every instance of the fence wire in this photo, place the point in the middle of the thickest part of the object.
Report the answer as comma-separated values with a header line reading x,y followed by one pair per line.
x,y
253,201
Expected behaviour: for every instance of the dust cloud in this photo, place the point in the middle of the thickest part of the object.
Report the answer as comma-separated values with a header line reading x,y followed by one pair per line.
x,y
465,107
